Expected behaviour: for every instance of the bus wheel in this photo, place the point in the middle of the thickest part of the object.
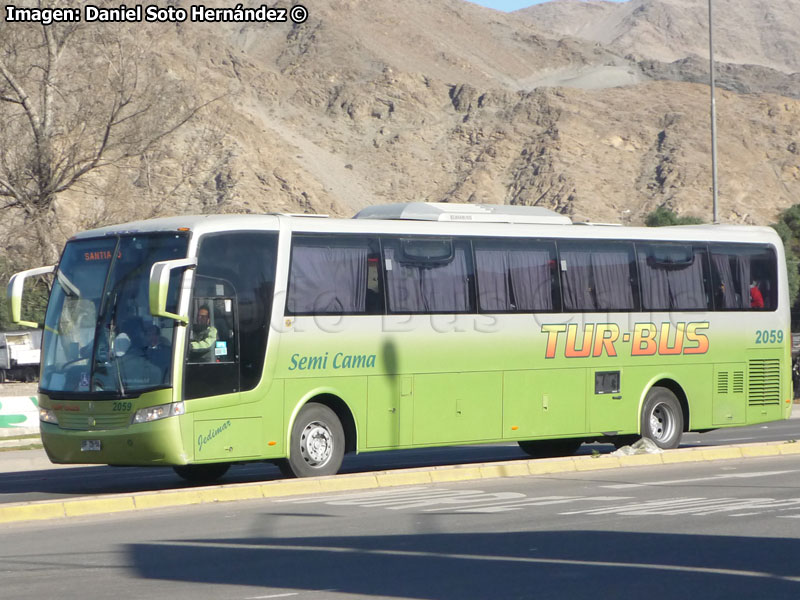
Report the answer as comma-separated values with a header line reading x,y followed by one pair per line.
x,y
317,444
202,473
550,448
662,418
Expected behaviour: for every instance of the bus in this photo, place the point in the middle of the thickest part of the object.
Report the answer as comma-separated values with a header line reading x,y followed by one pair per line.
x,y
196,342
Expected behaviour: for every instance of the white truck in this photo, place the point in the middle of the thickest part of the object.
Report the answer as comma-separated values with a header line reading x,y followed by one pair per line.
x,y
19,355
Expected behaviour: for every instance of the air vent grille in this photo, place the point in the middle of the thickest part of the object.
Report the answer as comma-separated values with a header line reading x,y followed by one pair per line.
x,y
764,378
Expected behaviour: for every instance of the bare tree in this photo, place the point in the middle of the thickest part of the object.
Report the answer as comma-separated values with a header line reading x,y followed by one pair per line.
x,y
76,98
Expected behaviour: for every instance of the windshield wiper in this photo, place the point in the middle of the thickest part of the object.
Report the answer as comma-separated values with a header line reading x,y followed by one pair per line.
x,y
112,338
70,289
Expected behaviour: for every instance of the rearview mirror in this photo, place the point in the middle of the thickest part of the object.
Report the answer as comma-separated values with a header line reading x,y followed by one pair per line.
x,y
159,286
14,293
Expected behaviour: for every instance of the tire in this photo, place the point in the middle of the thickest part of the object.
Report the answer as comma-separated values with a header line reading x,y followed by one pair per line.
x,y
202,473
662,418
550,448
316,446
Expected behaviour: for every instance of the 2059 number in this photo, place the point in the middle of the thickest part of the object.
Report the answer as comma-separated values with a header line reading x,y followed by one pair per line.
x,y
122,406
769,336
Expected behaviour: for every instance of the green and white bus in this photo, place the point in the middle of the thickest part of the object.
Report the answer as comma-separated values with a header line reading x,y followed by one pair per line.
x,y
197,342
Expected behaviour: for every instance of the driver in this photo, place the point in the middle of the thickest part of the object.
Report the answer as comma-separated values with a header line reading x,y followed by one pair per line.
x,y
203,336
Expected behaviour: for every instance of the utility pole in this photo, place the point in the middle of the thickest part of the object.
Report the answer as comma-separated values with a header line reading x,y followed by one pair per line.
x,y
714,187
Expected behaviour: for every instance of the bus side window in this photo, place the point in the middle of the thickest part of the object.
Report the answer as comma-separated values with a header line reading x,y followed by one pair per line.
x,y
516,275
743,277
334,275
674,276
598,276
428,275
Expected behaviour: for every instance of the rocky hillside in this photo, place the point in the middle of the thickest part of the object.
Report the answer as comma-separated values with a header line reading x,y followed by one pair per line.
x,y
596,109
758,33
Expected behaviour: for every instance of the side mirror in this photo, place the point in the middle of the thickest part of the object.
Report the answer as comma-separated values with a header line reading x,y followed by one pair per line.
x,y
14,293
159,286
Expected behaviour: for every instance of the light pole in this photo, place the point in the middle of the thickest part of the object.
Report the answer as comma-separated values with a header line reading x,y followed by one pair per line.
x,y
714,212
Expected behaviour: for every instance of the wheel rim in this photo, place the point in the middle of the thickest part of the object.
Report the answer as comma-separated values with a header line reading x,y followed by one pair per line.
x,y
662,422
316,444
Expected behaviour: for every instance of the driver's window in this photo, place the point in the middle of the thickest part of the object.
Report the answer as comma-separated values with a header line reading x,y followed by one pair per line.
x,y
212,331
212,354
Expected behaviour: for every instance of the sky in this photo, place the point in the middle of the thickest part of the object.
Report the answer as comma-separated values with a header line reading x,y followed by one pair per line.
x,y
509,5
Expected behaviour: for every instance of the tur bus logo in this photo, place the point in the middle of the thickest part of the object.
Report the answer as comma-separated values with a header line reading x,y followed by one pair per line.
x,y
647,339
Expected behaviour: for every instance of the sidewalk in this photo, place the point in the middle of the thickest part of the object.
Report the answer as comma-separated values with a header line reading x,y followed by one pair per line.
x,y
19,415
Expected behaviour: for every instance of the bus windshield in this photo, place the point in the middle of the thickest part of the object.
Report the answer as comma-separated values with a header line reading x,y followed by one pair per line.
x,y
99,334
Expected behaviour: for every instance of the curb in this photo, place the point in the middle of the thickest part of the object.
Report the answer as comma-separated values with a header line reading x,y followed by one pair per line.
x,y
116,503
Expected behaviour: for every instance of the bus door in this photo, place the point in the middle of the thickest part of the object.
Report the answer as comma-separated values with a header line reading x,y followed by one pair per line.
x,y
212,356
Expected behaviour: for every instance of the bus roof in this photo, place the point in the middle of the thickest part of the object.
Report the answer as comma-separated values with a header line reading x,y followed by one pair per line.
x,y
201,224
463,213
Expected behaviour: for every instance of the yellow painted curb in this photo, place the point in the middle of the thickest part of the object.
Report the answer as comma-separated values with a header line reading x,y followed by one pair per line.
x,y
389,478
721,453
595,463
290,487
165,499
228,494
347,483
790,448
641,460
98,506
31,512
550,466
755,451
37,511
442,475
681,456
511,469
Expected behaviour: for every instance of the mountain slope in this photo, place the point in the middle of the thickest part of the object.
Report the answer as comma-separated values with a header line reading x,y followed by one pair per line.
x,y
373,102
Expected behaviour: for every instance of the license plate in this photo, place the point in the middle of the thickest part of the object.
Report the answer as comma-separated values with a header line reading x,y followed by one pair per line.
x,y
90,446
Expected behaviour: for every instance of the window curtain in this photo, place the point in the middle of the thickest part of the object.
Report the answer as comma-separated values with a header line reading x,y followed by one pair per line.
x,y
734,282
328,280
577,280
513,279
672,286
530,279
597,280
494,279
434,287
611,272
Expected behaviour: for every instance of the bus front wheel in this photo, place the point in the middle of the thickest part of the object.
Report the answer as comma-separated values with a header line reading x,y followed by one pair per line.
x,y
317,443
662,418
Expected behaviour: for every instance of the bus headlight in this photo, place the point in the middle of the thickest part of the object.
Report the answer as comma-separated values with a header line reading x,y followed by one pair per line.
x,y
162,411
47,416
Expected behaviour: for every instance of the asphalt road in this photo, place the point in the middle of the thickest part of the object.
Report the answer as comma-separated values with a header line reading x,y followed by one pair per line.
x,y
29,476
712,530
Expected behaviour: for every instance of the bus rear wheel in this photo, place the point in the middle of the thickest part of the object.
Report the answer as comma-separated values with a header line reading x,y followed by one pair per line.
x,y
662,418
202,473
550,448
317,443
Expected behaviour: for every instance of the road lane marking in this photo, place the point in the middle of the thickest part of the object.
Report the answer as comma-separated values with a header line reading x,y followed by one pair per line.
x,y
622,486
526,502
700,507
440,500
